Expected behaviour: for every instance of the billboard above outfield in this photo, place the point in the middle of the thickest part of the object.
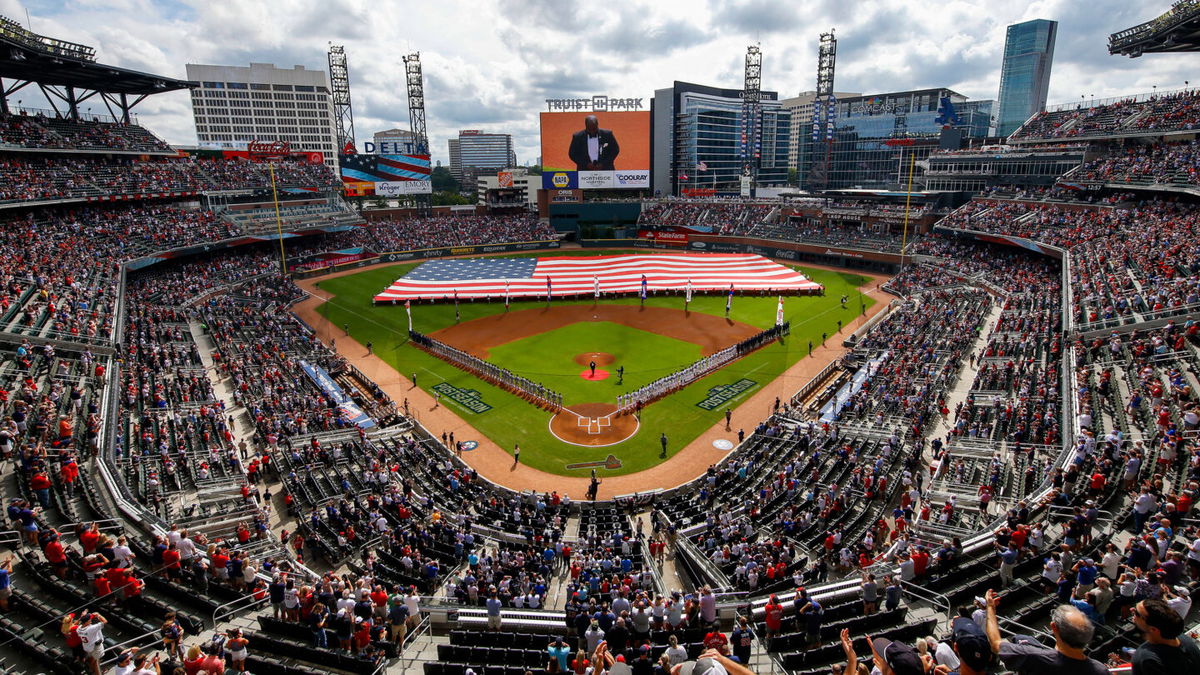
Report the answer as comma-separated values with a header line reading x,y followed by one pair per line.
x,y
614,153
385,175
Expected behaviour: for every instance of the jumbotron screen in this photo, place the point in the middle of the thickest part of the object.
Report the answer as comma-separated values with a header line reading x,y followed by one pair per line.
x,y
593,150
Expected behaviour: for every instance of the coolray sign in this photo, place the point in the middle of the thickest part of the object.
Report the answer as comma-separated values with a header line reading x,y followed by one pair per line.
x,y
467,398
597,103
632,179
404,187
722,394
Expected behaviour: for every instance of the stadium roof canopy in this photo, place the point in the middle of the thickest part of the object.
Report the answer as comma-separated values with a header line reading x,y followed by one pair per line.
x,y
1178,30
68,72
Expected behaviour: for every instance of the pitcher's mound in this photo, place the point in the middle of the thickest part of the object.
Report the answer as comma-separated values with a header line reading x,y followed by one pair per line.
x,y
592,424
600,374
601,358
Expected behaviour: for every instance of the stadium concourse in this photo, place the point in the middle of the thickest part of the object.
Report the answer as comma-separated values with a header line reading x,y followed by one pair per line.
x,y
999,471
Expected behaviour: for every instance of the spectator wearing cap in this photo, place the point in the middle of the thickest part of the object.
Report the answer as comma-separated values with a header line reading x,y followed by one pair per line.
x,y
711,663
559,655
1167,650
594,635
773,616
1024,655
897,658
642,664
971,647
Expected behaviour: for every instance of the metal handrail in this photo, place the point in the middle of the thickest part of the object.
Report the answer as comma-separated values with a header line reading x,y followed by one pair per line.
x,y
908,588
117,648
423,627
221,612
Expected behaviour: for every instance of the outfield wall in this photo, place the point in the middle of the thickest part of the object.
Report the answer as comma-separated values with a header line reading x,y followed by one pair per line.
x,y
850,258
423,253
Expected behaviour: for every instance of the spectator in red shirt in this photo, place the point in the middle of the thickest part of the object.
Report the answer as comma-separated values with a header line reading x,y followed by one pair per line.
x,y
89,538
171,559
920,559
56,556
773,615
717,640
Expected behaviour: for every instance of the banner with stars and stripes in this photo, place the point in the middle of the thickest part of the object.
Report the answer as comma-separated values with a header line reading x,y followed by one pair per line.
x,y
577,276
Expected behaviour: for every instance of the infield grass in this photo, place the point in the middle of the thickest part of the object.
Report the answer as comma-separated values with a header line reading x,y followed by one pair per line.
x,y
511,419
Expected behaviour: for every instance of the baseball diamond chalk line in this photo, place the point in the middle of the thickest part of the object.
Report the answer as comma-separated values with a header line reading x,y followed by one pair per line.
x,y
593,426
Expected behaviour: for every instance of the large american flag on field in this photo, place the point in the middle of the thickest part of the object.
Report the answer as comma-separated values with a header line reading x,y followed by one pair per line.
x,y
567,276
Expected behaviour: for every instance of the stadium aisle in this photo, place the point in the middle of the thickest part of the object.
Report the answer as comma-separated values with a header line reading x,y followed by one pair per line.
x,y
966,377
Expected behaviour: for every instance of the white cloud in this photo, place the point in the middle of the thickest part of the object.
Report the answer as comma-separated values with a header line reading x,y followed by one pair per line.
x,y
490,65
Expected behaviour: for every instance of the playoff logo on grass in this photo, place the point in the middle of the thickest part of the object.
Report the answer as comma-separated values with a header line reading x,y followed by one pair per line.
x,y
722,394
467,398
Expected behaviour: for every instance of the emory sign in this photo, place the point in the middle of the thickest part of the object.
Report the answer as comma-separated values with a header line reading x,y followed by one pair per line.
x,y
597,103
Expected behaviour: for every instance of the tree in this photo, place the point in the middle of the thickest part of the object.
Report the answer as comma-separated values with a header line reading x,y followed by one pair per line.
x,y
443,180
450,199
793,176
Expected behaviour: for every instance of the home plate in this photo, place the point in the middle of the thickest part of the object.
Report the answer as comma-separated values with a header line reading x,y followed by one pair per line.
x,y
723,444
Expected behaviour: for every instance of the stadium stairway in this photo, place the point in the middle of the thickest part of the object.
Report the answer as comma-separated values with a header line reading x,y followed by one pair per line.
x,y
966,375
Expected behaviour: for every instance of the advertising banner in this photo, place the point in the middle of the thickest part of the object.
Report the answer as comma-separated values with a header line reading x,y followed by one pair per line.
x,y
386,175
345,404
560,180
408,187
504,179
481,249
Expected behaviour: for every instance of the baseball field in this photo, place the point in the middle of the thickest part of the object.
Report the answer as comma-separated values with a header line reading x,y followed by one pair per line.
x,y
555,344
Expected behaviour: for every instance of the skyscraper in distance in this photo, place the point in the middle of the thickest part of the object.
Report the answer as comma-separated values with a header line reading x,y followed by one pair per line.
x,y
1025,73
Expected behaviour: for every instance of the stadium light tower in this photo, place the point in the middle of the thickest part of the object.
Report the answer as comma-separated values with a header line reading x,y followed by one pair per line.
x,y
824,109
339,83
416,115
751,143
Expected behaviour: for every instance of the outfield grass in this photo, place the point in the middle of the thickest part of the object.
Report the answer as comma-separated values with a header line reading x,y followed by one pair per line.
x,y
513,420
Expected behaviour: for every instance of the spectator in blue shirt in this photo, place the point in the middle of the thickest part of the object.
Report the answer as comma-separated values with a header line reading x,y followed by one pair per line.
x,y
493,611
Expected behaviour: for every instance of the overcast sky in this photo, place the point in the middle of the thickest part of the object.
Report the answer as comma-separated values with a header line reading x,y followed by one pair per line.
x,y
491,65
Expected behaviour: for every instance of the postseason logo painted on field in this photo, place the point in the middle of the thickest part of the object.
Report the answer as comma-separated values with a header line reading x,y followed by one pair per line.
x,y
724,393
467,398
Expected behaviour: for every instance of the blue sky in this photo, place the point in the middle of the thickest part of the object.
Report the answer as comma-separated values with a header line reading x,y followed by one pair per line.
x,y
491,65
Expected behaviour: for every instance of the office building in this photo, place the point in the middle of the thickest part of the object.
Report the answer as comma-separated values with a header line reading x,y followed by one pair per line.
x,y
394,142
238,104
475,152
877,139
1025,73
802,108
696,133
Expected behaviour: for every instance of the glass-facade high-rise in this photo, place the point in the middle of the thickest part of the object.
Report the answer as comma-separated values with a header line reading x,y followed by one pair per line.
x,y
1025,73
696,138
877,139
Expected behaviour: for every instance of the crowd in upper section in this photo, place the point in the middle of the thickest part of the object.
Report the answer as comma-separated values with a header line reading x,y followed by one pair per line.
x,y
1167,163
43,132
1170,112
36,178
